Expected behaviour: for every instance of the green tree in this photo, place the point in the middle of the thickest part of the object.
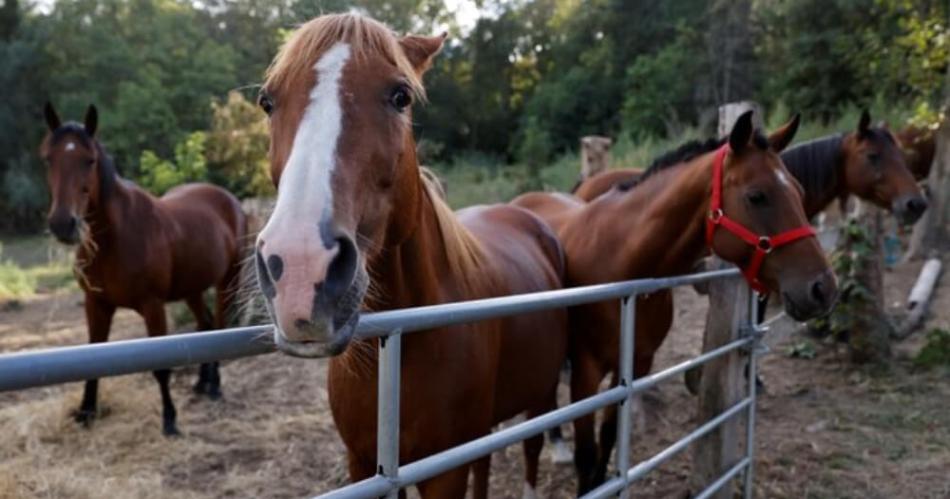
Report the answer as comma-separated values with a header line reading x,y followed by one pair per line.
x,y
237,147
159,175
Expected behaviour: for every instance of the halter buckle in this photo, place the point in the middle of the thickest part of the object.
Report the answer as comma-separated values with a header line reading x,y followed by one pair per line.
x,y
715,215
765,244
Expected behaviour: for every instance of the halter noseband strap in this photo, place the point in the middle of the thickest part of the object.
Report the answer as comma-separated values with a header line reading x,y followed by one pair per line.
x,y
763,245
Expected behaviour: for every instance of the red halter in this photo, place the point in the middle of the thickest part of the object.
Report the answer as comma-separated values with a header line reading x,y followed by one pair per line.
x,y
763,244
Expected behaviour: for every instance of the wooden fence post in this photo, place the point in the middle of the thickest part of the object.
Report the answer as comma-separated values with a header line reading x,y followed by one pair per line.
x,y
595,155
720,386
729,113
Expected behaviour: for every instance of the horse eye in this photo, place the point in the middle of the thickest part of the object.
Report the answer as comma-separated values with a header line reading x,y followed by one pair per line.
x,y
400,98
758,199
265,102
874,158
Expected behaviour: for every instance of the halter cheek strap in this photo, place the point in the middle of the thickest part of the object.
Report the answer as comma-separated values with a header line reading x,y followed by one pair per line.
x,y
762,245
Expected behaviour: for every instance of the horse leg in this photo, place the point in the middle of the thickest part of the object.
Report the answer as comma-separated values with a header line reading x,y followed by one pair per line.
x,y
585,379
209,382
98,321
480,470
532,456
561,454
449,485
154,315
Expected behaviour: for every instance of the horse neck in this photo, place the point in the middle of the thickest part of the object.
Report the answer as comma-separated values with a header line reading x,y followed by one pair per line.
x,y
412,273
660,222
107,212
818,166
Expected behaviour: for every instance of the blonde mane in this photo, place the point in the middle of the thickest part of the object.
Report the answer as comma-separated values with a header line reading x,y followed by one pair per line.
x,y
463,251
365,36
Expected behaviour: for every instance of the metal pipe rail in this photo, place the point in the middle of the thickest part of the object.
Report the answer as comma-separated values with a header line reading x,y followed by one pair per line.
x,y
53,366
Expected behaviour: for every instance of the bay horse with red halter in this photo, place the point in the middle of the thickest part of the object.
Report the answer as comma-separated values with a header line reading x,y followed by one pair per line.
x,y
723,196
138,251
868,163
353,207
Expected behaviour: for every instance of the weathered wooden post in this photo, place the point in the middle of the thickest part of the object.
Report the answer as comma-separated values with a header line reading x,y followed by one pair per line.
x,y
595,155
720,386
931,231
729,113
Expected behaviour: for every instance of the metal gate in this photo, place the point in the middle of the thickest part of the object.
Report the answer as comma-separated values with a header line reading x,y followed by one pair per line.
x,y
60,365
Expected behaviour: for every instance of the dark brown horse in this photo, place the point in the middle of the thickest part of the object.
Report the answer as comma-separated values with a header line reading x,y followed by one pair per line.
x,y
137,251
919,147
354,207
657,227
867,163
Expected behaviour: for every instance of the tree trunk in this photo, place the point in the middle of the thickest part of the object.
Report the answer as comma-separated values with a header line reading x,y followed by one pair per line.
x,y
872,329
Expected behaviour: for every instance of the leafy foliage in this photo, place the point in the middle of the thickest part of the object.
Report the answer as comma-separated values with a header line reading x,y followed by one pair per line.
x,y
524,83
853,295
237,147
936,352
159,175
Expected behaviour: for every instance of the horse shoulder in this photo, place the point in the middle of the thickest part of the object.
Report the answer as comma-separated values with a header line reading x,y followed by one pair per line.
x,y
519,245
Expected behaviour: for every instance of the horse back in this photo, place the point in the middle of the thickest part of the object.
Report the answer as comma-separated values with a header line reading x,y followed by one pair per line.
x,y
554,208
207,230
525,257
594,186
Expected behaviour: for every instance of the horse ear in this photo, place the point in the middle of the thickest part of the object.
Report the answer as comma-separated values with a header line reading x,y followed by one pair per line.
x,y
741,132
422,49
865,123
781,138
92,120
52,119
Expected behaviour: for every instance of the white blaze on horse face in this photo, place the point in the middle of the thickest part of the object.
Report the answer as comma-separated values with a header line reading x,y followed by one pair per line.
x,y
783,179
70,146
305,199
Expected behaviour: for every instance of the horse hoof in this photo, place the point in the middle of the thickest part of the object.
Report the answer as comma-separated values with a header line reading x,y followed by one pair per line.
x,y
200,387
214,393
692,379
170,430
84,417
561,454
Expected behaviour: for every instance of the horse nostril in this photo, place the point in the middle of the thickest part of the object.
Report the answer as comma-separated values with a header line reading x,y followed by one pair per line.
x,y
275,266
342,269
818,292
264,279
916,205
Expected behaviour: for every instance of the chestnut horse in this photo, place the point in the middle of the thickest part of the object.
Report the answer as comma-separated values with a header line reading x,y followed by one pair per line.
x,y
137,251
868,163
658,228
353,205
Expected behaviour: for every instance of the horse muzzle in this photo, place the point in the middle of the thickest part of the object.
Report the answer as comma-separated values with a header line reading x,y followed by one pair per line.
x,y
65,228
313,299
811,298
909,209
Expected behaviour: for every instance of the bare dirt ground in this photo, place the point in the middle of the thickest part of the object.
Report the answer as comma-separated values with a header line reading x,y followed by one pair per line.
x,y
825,429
